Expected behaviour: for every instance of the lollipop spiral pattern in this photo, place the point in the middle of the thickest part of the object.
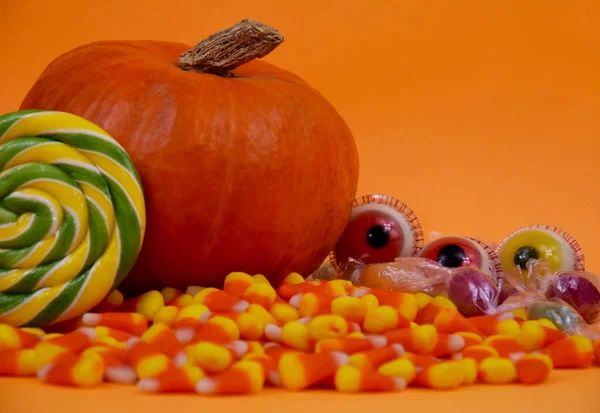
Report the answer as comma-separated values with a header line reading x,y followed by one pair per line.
x,y
72,216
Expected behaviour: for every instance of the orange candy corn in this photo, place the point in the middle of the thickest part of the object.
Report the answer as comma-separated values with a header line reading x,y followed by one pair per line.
x,y
480,352
145,359
301,370
506,346
250,324
575,351
284,312
17,362
496,324
296,334
450,321
374,358
289,290
471,339
119,335
243,377
352,309
190,316
470,370
448,344
420,339
352,379
382,319
172,380
405,303
182,301
219,301
430,310
163,339
75,342
275,352
271,374
71,370
217,330
442,375
116,370
400,367
133,323
496,370
334,288
323,327
597,350
146,304
535,336
311,304
212,358
261,294
350,345
533,368
13,338
236,283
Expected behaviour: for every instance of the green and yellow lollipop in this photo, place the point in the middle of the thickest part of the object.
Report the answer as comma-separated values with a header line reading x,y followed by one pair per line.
x,y
72,216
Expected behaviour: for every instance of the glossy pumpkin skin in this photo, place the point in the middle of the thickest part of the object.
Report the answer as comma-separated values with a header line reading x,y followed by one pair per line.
x,y
255,172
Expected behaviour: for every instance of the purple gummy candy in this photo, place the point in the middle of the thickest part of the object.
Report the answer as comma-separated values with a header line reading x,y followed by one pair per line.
x,y
577,290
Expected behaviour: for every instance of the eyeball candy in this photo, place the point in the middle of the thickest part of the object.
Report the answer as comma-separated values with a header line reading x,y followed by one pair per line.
x,y
546,242
472,291
456,252
579,290
381,228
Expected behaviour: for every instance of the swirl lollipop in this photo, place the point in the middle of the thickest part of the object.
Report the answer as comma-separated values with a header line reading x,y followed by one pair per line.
x,y
72,216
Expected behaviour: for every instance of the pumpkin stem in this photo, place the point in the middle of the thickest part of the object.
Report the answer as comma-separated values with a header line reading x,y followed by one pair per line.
x,y
229,48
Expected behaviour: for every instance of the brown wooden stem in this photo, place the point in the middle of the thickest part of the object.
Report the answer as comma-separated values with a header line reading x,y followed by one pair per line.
x,y
229,48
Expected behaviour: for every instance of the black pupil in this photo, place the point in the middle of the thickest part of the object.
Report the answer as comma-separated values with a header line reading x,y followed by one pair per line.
x,y
524,254
378,236
451,256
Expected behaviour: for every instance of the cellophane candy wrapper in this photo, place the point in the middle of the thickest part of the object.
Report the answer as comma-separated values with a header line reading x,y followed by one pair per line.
x,y
571,300
472,290
580,290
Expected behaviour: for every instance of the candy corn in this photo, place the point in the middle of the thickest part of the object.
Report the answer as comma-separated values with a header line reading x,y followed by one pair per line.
x,y
146,304
298,336
352,379
533,368
130,322
575,351
71,370
300,370
372,359
244,377
17,362
12,338
496,370
145,359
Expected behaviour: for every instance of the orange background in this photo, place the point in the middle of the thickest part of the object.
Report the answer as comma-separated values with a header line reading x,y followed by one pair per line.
x,y
488,109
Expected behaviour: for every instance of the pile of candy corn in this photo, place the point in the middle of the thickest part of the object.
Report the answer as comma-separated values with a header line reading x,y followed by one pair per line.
x,y
297,336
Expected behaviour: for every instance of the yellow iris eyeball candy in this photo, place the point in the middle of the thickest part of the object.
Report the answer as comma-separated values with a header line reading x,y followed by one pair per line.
x,y
555,246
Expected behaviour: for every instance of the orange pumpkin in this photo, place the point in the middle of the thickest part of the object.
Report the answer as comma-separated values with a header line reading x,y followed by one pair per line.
x,y
245,166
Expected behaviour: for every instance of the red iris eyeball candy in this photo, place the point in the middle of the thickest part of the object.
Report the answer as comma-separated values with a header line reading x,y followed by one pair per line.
x,y
381,229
